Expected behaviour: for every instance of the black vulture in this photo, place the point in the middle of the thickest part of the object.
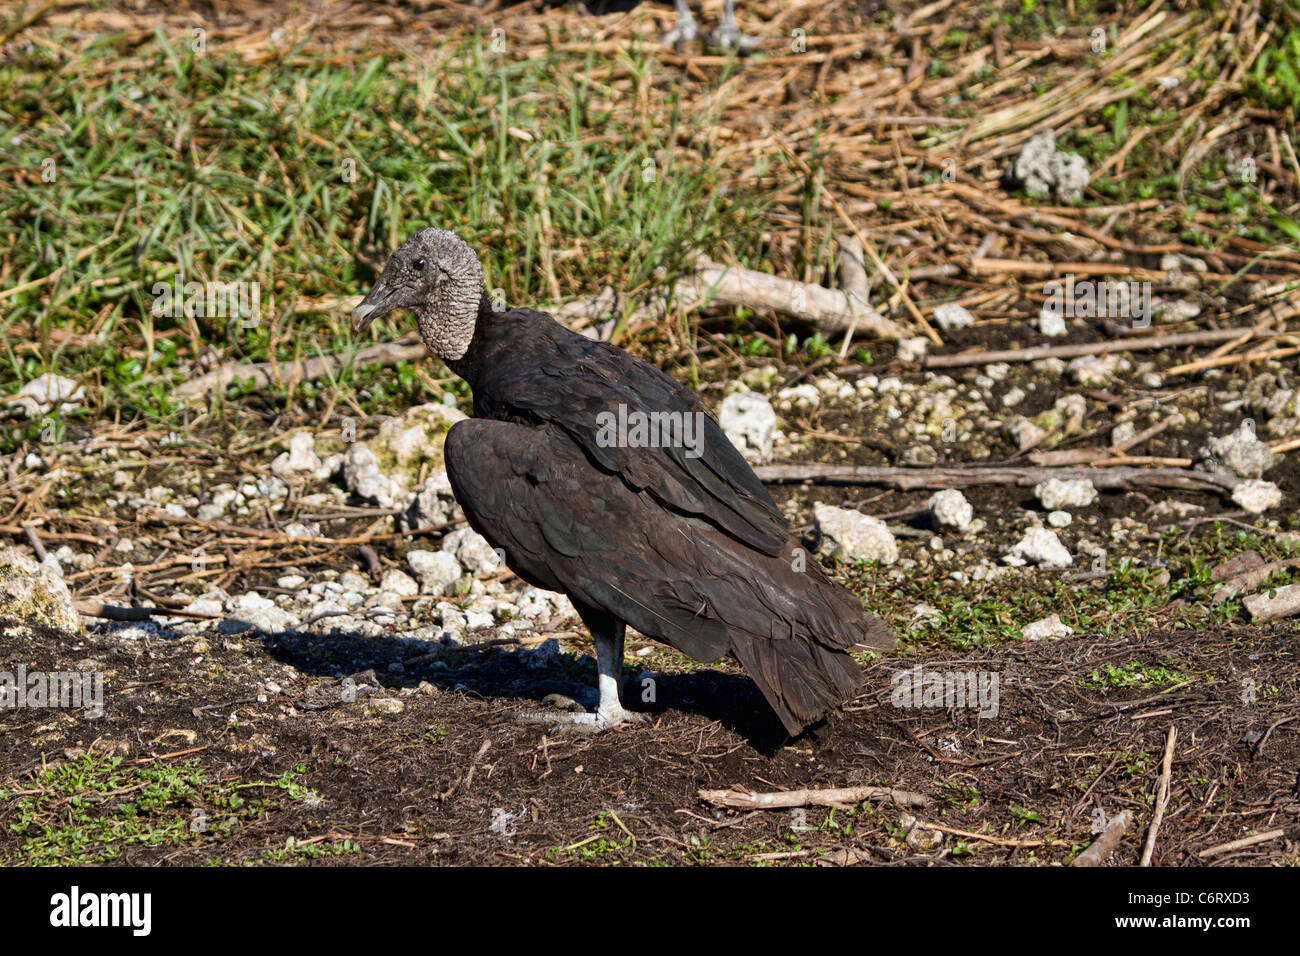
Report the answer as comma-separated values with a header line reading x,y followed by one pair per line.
x,y
676,537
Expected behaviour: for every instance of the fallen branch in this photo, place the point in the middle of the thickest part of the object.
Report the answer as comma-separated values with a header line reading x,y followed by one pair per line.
x,y
988,838
963,359
1162,798
1102,847
1242,844
272,374
110,612
1264,355
832,311
834,797
1247,580
958,476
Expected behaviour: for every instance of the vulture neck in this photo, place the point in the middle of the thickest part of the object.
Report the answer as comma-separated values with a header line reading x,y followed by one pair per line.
x,y
485,345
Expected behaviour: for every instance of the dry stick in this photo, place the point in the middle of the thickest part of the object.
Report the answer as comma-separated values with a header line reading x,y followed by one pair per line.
x,y
1131,460
1260,356
35,541
1094,348
1043,270
1162,798
1102,847
1069,456
833,797
110,612
832,311
1146,435
998,841
1268,733
469,775
913,479
853,280
267,374
1241,844
1227,347
928,329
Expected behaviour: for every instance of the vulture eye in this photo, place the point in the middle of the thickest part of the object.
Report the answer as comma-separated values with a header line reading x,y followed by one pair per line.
x,y
418,265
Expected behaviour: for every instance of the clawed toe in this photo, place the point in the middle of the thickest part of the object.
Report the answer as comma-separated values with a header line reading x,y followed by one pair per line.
x,y
598,722
730,40
680,37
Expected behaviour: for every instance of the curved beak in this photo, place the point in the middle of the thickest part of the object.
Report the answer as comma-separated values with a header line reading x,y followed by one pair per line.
x,y
378,302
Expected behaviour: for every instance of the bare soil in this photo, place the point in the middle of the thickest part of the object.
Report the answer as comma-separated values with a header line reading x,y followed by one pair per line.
x,y
451,778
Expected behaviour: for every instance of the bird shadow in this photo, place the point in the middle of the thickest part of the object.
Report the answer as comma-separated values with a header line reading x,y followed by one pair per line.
x,y
357,662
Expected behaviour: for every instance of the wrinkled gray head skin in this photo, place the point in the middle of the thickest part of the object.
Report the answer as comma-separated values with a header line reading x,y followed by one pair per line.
x,y
438,277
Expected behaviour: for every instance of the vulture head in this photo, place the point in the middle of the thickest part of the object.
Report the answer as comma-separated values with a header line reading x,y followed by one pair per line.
x,y
438,277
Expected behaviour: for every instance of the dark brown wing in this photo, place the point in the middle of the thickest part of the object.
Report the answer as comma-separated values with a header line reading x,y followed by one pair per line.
x,y
567,524
585,379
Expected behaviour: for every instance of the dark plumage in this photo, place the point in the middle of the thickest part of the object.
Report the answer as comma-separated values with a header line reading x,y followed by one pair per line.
x,y
683,543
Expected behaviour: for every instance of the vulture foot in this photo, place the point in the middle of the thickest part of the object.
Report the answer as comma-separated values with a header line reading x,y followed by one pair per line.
x,y
729,39
602,720
610,713
683,34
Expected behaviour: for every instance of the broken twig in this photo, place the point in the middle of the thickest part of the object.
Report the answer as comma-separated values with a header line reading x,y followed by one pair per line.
x,y
1102,847
833,797
1162,798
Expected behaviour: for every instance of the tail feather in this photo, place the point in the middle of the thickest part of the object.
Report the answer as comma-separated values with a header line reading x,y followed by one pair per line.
x,y
801,679
876,635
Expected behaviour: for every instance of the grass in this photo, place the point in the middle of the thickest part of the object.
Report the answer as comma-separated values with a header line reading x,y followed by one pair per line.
x,y
1274,81
90,809
597,848
1133,675
294,851
302,176
137,162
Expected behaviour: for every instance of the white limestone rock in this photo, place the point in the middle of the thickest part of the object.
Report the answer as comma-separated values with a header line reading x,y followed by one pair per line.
x,y
850,535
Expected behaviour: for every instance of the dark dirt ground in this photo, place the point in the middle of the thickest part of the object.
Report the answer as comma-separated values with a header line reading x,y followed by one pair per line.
x,y
423,765
234,747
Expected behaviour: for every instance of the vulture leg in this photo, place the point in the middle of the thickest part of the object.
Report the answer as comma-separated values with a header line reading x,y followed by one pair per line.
x,y
609,714
728,36
684,33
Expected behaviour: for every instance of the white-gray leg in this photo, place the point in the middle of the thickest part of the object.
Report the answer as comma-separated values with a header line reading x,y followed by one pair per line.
x,y
609,668
609,681
685,31
728,36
